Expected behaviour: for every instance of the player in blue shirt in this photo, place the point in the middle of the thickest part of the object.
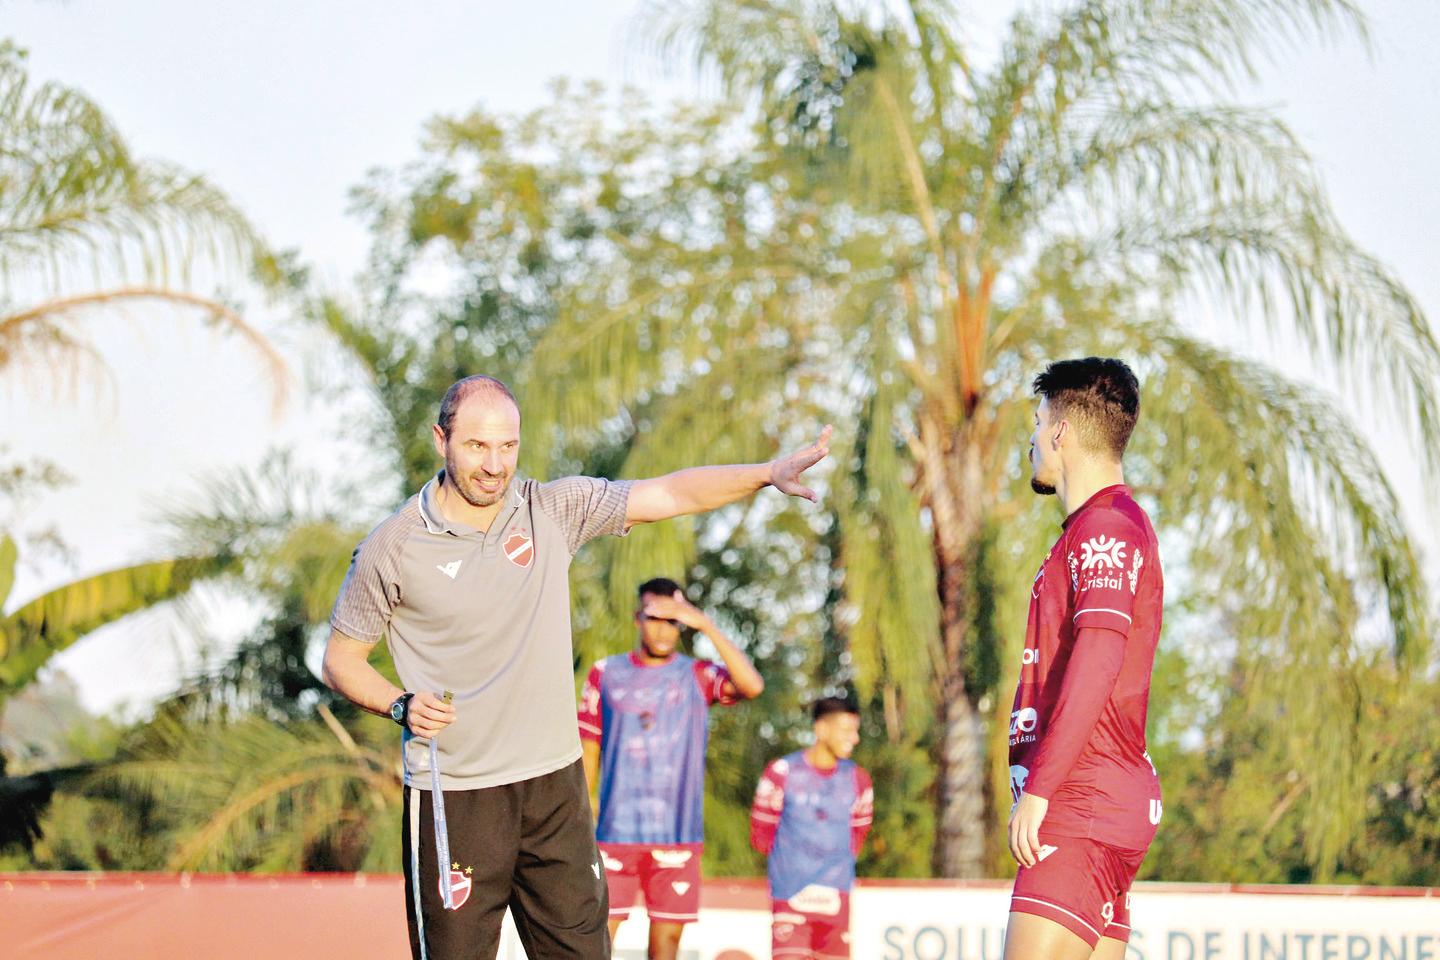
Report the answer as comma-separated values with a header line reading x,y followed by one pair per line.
x,y
812,811
643,728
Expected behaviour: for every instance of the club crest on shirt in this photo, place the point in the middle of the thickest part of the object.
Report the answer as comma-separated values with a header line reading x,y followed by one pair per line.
x,y
519,549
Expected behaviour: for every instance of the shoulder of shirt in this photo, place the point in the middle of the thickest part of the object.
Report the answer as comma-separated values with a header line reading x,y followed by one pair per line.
x,y
390,534
550,494
1119,512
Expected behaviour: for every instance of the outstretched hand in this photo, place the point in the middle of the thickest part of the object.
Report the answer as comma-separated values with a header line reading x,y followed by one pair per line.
x,y
785,471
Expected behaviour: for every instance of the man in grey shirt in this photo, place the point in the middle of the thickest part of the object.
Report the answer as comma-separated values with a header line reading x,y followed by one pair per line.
x,y
469,580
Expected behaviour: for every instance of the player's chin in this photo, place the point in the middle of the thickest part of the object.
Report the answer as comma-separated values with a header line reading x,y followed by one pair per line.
x,y
1041,487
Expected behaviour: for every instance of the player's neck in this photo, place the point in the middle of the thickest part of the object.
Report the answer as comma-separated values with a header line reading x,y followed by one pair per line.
x,y
820,757
648,659
457,509
1084,481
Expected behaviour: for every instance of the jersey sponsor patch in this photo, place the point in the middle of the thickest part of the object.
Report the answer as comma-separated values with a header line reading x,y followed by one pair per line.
x,y
1018,775
680,886
1102,551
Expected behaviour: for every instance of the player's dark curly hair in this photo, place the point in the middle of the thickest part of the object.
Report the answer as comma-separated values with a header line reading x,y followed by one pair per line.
x,y
1099,395
828,705
658,587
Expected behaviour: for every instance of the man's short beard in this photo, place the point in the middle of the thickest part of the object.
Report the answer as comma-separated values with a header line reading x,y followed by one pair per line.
x,y
1044,489
477,500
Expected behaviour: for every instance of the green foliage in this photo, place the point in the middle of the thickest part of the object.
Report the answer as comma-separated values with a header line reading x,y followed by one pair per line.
x,y
51,622
890,239
76,209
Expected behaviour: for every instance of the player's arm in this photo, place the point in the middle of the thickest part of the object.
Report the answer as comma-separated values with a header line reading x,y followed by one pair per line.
x,y
698,489
1113,546
862,812
744,681
765,811
591,720
347,671
1089,680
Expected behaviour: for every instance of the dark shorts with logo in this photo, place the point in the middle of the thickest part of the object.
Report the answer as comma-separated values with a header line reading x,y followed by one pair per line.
x,y
529,846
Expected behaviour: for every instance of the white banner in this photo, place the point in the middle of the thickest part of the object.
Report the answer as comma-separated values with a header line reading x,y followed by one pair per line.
x,y
1171,922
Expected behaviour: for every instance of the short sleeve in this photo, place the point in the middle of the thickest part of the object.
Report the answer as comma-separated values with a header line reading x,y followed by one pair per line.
x,y
590,717
713,679
1105,557
371,590
585,507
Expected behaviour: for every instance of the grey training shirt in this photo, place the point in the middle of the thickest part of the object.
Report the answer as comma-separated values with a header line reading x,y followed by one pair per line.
x,y
487,616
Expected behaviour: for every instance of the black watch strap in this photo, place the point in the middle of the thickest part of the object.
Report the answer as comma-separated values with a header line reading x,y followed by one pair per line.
x,y
400,709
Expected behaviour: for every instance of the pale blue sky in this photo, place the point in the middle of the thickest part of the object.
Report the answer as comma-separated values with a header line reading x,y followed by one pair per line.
x,y
286,105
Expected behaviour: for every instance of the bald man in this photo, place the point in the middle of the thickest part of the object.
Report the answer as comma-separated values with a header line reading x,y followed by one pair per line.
x,y
469,583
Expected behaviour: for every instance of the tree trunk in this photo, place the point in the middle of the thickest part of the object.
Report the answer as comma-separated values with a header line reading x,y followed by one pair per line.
x,y
955,495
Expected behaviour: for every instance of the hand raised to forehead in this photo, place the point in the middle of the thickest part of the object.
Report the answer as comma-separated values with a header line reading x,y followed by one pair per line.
x,y
785,471
674,607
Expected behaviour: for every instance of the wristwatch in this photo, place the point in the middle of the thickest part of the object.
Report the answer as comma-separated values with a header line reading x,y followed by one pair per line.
x,y
400,709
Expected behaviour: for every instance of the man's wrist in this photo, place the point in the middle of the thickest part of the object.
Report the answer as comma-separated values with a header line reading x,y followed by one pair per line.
x,y
399,709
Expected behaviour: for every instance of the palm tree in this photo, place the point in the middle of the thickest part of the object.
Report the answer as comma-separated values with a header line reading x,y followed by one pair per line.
x,y
916,236
76,210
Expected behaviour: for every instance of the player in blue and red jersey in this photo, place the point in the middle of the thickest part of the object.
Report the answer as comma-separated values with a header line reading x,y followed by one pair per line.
x,y
643,729
812,811
1087,798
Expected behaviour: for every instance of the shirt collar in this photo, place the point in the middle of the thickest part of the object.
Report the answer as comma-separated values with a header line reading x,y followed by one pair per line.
x,y
1115,489
434,517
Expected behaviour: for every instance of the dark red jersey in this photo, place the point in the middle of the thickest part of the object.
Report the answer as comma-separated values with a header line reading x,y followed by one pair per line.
x,y
1077,730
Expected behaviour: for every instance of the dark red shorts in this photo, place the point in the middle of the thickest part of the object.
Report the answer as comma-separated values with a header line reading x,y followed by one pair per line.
x,y
1083,885
815,923
669,875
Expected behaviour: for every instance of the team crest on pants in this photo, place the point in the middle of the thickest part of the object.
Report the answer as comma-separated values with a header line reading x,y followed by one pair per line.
x,y
459,885
519,549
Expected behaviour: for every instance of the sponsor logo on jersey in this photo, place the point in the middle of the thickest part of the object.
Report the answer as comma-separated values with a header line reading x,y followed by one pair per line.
x,y
680,887
1108,911
1024,721
1029,656
1018,775
1102,551
449,569
1156,809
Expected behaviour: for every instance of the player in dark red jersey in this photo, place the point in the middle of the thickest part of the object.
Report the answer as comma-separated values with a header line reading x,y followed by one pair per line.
x,y
1087,799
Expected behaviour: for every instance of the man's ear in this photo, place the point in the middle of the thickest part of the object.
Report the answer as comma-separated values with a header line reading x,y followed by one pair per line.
x,y
1062,431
